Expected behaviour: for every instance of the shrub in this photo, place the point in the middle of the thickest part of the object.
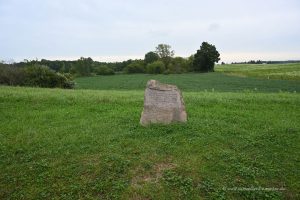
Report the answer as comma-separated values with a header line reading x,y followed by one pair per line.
x,y
11,75
42,76
167,72
104,70
135,67
156,67
178,65
36,75
64,80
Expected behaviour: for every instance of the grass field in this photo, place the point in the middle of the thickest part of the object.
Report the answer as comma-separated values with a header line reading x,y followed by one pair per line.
x,y
241,140
218,82
88,144
266,71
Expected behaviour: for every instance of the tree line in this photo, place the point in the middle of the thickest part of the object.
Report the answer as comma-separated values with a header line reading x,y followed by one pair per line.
x,y
59,73
267,62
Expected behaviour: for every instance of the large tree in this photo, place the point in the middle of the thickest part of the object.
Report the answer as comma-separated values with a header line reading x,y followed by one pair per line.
x,y
165,53
151,57
205,58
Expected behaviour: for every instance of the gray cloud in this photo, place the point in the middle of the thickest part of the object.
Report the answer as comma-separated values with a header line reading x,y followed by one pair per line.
x,y
98,28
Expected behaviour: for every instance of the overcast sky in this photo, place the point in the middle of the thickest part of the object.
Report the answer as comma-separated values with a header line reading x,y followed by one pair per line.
x,y
110,30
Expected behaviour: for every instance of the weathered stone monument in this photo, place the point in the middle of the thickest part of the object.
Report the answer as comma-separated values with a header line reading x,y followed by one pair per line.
x,y
162,104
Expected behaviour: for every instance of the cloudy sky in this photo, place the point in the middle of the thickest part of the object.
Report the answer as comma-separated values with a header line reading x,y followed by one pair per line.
x,y
122,29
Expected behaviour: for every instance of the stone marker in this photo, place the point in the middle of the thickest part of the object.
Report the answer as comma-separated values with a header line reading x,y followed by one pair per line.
x,y
162,104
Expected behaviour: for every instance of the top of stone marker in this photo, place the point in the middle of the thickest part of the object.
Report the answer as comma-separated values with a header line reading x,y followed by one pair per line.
x,y
156,85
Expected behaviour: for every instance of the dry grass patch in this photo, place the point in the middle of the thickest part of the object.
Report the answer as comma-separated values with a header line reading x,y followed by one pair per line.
x,y
142,177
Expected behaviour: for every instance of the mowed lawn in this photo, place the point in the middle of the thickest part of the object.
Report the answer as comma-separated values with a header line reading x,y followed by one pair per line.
x,y
88,144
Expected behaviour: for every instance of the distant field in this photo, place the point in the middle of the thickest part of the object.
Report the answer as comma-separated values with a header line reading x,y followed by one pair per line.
x,y
217,81
266,71
88,144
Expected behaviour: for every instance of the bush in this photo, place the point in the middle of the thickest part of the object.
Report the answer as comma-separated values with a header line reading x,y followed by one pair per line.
x,y
104,70
42,76
36,75
64,80
135,67
156,67
178,65
167,72
11,75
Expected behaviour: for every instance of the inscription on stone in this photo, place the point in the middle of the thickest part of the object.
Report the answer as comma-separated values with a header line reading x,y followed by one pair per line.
x,y
162,98
162,104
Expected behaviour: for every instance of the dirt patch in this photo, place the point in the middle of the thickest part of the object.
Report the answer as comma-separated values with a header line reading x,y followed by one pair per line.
x,y
153,176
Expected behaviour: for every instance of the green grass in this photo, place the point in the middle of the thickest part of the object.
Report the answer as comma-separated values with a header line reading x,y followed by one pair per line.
x,y
243,131
189,82
266,71
88,144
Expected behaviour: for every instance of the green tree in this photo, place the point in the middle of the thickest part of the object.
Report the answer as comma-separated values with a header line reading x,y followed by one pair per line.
x,y
205,58
104,70
136,66
84,66
151,57
178,65
190,62
156,67
165,53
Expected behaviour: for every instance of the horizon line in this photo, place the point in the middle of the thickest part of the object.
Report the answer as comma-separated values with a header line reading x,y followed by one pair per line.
x,y
229,57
